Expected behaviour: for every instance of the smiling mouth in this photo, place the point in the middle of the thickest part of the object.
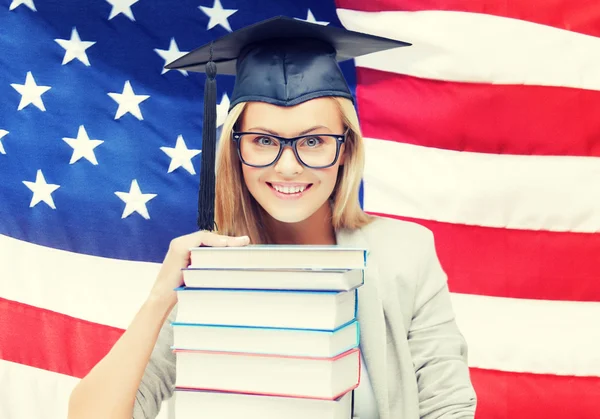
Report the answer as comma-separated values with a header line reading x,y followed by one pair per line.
x,y
296,190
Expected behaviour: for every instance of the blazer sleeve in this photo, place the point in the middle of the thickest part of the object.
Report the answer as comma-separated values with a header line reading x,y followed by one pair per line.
x,y
438,348
158,382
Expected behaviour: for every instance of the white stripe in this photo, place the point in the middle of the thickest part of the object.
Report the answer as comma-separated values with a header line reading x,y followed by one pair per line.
x,y
101,290
555,193
473,47
518,335
503,334
28,392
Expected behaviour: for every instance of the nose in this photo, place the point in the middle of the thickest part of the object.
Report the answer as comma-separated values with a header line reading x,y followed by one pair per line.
x,y
287,163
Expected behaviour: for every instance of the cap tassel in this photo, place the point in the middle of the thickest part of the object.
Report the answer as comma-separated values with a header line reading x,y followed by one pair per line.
x,y
206,194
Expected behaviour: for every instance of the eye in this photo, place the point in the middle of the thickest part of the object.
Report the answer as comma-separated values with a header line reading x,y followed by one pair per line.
x,y
312,141
266,141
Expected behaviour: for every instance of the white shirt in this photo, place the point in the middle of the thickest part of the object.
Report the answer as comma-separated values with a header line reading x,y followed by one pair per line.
x,y
364,399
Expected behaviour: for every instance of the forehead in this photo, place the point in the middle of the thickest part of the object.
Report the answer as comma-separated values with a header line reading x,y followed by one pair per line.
x,y
293,119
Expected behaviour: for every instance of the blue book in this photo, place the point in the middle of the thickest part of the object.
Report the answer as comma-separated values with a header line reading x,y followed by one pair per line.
x,y
315,310
267,340
276,279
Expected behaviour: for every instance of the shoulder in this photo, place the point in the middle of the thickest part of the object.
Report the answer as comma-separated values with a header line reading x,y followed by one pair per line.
x,y
403,252
394,234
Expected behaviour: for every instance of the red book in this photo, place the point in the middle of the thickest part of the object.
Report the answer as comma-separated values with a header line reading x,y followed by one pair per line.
x,y
273,375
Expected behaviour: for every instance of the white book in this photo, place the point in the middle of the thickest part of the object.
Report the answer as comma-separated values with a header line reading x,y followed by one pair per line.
x,y
272,375
282,279
211,404
260,340
279,257
320,310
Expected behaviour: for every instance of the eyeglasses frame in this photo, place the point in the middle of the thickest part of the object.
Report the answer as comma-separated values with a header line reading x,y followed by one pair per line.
x,y
291,142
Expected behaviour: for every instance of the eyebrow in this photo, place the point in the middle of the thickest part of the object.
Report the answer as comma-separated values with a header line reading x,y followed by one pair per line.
x,y
306,131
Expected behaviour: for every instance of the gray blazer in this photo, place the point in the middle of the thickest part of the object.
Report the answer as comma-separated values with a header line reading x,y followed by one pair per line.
x,y
415,354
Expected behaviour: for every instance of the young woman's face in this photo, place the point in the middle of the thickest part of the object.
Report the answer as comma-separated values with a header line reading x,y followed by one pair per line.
x,y
287,190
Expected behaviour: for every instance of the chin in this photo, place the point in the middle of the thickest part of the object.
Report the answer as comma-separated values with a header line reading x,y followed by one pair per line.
x,y
288,216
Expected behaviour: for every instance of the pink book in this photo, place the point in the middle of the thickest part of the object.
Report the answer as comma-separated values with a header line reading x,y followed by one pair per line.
x,y
270,375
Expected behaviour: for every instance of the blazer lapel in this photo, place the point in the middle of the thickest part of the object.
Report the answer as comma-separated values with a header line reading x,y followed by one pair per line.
x,y
372,322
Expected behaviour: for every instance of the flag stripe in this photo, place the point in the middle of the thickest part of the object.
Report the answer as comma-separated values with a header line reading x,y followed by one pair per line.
x,y
575,15
470,47
536,336
564,341
52,341
504,395
100,290
502,262
544,120
529,336
36,393
545,192
509,263
29,392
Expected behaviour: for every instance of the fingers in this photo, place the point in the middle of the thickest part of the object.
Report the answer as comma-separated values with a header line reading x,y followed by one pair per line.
x,y
238,241
206,238
216,240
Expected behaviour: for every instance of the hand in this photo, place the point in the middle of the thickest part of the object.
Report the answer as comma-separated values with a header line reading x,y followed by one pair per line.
x,y
178,258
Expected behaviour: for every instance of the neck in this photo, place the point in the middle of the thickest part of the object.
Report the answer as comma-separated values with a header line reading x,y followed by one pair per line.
x,y
316,229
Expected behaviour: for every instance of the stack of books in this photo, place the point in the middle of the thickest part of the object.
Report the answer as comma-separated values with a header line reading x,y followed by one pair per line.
x,y
267,331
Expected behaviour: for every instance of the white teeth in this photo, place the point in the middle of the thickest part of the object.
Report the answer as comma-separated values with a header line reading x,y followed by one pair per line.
x,y
289,189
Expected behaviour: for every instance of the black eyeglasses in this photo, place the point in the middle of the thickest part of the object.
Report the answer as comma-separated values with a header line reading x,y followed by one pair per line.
x,y
315,151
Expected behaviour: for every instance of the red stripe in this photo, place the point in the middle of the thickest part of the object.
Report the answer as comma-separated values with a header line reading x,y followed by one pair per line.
x,y
573,15
505,395
51,341
66,345
484,118
518,263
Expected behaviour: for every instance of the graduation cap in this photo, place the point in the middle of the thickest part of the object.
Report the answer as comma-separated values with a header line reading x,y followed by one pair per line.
x,y
281,61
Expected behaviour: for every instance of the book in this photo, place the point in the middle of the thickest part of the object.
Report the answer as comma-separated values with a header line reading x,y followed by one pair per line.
x,y
260,340
272,375
316,310
283,279
191,404
279,257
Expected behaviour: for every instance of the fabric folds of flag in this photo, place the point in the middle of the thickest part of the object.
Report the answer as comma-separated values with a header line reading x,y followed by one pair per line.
x,y
486,131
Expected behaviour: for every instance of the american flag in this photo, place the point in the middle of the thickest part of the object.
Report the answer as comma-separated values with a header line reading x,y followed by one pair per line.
x,y
486,130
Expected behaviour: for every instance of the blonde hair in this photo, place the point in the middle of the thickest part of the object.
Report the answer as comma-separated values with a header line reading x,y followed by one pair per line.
x,y
237,213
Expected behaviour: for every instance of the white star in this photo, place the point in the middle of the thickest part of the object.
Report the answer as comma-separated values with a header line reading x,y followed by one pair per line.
x,y
75,48
122,6
218,15
181,156
83,147
135,201
170,55
30,92
222,110
311,19
3,132
128,102
42,191
17,3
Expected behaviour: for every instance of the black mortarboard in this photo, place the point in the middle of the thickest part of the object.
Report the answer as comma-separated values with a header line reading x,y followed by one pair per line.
x,y
281,61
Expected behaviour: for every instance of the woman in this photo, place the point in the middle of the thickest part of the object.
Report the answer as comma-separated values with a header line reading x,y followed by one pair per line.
x,y
288,171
